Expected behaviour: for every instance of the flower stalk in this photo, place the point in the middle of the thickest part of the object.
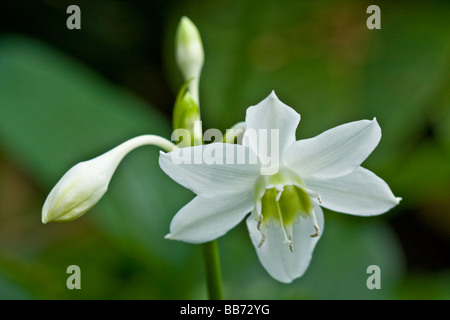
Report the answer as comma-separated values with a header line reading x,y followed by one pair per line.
x,y
186,116
211,261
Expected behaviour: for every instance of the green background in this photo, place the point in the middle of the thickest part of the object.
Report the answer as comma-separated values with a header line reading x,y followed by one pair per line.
x,y
69,95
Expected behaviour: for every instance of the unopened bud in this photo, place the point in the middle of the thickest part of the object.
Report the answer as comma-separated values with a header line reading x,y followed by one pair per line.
x,y
189,54
86,182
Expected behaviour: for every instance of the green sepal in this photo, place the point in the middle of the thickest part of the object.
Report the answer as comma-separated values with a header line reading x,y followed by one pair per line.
x,y
185,114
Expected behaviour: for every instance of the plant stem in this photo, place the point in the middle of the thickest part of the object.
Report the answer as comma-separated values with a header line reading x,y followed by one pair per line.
x,y
212,269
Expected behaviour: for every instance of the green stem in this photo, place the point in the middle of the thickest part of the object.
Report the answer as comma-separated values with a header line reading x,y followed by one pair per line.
x,y
212,269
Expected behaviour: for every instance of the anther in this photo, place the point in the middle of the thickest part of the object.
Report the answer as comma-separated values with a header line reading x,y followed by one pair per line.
x,y
317,232
262,240
316,225
319,198
260,219
291,244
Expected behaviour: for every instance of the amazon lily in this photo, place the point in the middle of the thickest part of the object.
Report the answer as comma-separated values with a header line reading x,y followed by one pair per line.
x,y
281,181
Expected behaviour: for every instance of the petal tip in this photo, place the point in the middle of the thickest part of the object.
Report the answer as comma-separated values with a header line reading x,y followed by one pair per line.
x,y
289,280
168,236
374,123
44,215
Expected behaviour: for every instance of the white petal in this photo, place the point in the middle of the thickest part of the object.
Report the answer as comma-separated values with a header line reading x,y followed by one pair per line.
x,y
360,193
203,220
335,152
212,170
270,128
275,256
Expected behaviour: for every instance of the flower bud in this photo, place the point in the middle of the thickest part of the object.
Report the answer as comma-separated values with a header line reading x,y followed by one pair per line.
x,y
86,182
189,54
77,191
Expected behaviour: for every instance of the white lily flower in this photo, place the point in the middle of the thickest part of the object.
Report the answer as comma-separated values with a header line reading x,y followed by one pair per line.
x,y
287,219
85,183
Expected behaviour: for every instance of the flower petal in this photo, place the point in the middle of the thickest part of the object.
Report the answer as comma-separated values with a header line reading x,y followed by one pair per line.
x,y
335,152
203,220
212,170
360,193
270,128
275,256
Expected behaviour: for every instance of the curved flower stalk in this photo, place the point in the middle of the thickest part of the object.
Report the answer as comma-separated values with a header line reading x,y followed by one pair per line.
x,y
86,182
281,181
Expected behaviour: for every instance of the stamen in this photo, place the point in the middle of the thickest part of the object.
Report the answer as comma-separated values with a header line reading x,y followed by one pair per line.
x,y
280,191
319,198
258,207
310,193
317,232
287,240
263,238
316,225
291,245
260,219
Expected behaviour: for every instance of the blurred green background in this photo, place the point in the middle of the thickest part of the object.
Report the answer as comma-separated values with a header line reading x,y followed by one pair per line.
x,y
69,95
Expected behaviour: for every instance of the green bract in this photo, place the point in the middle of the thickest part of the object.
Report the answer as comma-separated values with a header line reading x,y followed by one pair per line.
x,y
186,115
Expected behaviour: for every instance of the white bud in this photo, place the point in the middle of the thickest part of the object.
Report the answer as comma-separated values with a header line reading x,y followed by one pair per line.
x,y
189,54
77,191
86,182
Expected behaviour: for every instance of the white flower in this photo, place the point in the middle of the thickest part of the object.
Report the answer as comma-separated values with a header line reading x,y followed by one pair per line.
x,y
286,220
86,182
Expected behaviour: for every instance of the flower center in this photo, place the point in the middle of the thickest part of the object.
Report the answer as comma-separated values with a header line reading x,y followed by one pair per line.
x,y
283,202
